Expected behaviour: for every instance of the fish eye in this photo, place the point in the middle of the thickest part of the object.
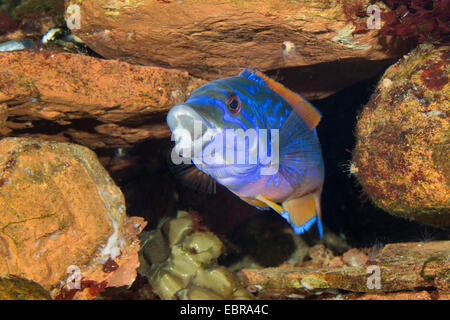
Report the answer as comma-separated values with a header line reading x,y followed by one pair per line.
x,y
233,103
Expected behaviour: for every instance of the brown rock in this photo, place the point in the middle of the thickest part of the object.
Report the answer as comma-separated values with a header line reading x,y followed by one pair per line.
x,y
213,39
402,148
3,114
354,258
319,255
336,262
402,267
405,295
94,102
60,208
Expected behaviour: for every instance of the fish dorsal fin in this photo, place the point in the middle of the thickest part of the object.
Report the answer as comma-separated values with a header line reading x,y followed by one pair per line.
x,y
310,115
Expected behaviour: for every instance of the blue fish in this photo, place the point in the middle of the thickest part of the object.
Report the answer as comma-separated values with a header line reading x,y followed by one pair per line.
x,y
260,142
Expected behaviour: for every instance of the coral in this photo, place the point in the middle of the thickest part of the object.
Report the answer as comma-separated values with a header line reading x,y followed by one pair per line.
x,y
180,262
61,211
418,19
401,153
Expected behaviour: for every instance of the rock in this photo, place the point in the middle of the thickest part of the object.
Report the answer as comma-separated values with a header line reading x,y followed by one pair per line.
x,y
401,153
215,39
3,114
400,267
354,258
30,18
405,295
319,256
16,288
62,213
181,263
94,102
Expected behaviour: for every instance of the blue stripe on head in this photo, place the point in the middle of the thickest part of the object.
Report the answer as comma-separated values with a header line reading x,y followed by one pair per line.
x,y
272,109
226,116
261,107
250,103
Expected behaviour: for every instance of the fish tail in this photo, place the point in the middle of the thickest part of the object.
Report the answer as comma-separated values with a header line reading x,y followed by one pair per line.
x,y
303,212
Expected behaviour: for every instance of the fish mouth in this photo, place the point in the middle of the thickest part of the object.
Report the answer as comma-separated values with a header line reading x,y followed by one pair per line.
x,y
189,130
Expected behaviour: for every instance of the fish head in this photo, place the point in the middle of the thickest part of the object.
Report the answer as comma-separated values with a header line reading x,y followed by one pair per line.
x,y
232,110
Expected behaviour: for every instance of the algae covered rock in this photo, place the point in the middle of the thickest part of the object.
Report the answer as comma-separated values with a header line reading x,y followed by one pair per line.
x,y
63,220
16,288
403,143
180,263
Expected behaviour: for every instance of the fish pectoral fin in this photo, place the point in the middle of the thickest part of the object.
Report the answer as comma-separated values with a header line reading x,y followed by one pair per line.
x,y
303,212
269,203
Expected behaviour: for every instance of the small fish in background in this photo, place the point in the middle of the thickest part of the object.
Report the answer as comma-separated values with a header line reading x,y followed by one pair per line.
x,y
289,180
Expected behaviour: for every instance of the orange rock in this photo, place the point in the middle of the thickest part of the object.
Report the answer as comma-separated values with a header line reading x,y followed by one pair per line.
x,y
94,102
406,295
355,258
3,114
216,38
60,208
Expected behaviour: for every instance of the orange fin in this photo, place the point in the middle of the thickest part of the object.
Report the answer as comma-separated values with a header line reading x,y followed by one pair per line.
x,y
254,202
273,205
310,115
303,212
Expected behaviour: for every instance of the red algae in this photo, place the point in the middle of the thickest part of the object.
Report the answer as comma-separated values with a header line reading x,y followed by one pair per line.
x,y
417,19
110,265
434,76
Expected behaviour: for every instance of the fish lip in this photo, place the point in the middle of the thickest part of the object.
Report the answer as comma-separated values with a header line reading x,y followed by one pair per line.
x,y
181,120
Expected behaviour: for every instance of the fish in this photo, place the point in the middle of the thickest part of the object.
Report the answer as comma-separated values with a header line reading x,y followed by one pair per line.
x,y
258,139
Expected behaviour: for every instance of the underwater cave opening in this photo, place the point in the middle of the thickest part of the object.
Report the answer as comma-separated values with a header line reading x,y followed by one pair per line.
x,y
153,192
